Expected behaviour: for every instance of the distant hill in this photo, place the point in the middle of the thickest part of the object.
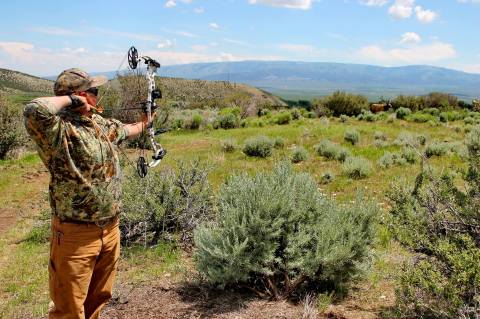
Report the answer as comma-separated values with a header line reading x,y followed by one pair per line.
x,y
310,79
14,82
186,93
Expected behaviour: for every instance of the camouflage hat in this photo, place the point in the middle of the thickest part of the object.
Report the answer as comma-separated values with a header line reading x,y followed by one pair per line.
x,y
76,80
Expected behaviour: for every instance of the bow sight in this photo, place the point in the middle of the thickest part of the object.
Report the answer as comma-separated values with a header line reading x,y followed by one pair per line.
x,y
148,107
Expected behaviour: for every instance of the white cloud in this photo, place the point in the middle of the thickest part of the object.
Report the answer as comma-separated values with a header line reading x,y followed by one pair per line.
x,y
410,37
468,1
27,58
129,35
165,44
199,10
170,4
401,9
299,48
290,4
56,31
425,16
213,25
428,53
374,3
238,42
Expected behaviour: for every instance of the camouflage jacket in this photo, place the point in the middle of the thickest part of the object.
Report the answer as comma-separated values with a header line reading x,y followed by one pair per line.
x,y
82,157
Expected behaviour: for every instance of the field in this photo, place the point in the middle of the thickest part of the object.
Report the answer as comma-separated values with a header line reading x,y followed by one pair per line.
x,y
161,282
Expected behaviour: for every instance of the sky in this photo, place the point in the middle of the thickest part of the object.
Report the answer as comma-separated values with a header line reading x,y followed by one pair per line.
x,y
45,37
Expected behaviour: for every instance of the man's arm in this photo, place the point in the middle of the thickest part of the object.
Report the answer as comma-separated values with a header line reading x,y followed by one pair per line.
x,y
135,129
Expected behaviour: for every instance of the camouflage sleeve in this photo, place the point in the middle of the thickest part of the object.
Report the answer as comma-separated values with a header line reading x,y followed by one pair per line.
x,y
117,132
42,124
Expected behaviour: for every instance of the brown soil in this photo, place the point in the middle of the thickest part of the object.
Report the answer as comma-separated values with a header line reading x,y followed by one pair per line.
x,y
168,300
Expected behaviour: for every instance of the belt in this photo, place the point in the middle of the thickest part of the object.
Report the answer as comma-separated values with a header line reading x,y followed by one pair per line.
x,y
99,223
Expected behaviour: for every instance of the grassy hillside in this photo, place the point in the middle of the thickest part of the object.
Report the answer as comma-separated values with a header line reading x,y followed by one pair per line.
x,y
194,93
18,83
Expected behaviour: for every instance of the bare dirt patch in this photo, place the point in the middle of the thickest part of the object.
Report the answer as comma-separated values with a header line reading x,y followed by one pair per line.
x,y
170,300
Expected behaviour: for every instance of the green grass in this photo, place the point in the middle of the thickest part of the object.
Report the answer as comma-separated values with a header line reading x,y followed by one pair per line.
x,y
23,266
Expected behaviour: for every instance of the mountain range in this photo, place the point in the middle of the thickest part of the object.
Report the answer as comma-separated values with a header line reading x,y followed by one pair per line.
x,y
310,79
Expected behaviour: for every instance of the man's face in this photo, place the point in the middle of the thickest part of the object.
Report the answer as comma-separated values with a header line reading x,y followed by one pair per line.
x,y
91,96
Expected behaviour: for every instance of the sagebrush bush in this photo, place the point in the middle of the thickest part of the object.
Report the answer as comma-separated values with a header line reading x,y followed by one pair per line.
x,y
343,118
405,138
327,178
332,151
352,136
379,136
437,219
387,160
166,203
299,154
402,113
357,167
228,121
194,122
437,149
451,116
259,146
279,142
12,130
277,245
229,145
420,118
282,118
410,155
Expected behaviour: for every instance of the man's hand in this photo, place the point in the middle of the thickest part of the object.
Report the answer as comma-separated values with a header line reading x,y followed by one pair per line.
x,y
85,108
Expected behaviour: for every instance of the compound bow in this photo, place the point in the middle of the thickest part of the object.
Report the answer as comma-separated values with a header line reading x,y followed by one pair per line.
x,y
148,107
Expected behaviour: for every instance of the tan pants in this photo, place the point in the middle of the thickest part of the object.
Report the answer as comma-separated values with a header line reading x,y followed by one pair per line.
x,y
83,263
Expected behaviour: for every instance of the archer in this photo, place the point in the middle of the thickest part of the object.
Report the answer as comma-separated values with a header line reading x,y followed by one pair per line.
x,y
79,148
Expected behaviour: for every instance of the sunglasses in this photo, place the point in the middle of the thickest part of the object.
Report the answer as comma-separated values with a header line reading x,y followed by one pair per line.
x,y
93,91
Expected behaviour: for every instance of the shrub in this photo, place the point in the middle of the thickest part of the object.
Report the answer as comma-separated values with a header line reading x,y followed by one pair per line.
x,y
279,142
229,145
172,203
422,139
469,120
260,146
299,154
407,139
432,111
420,117
12,132
282,118
379,136
331,151
451,116
295,113
228,121
402,113
410,155
386,161
357,167
194,122
352,136
437,220
327,178
367,116
343,103
278,244
436,149
343,118
441,101
410,102
310,115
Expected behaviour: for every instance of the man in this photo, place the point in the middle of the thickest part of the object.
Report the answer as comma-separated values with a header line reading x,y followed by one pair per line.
x,y
79,148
